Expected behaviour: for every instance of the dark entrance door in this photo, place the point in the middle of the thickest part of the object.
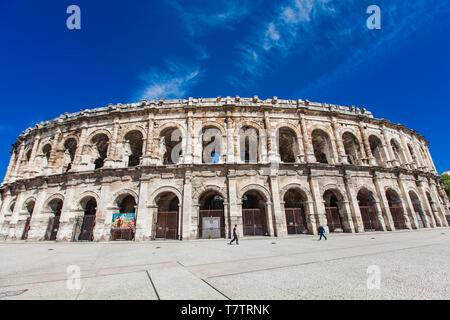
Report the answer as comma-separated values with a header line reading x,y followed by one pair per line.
x,y
397,217
52,229
167,225
296,221
254,222
87,228
27,229
370,218
212,231
333,219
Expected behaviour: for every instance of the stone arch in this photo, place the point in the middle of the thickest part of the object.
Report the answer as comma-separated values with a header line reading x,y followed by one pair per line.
x,y
369,209
257,187
216,125
250,134
26,202
133,147
295,204
352,147
197,194
255,210
216,149
396,206
97,132
136,127
296,186
211,207
286,143
377,150
418,208
85,195
322,146
122,194
397,151
54,196
166,146
335,202
164,189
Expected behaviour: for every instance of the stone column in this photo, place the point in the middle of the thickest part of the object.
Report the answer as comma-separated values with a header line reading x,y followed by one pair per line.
x,y
12,160
311,218
408,210
393,162
379,215
235,204
143,214
69,213
310,158
80,161
339,143
187,206
272,144
319,207
190,148
357,224
441,209
406,155
39,220
32,168
279,216
348,222
430,159
148,151
270,219
426,206
386,147
230,133
384,205
226,213
112,156
16,213
18,162
105,210
366,144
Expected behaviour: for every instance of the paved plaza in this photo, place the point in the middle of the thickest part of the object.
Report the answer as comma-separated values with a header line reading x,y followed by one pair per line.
x,y
412,265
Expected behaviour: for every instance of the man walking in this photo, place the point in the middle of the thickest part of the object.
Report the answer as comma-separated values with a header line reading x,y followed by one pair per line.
x,y
322,233
235,235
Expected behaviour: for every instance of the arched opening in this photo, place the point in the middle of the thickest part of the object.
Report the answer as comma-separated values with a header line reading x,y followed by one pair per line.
x,y
433,209
212,217
417,206
287,145
124,223
100,144
70,148
171,145
249,144
211,145
133,147
89,205
413,155
396,209
322,146
352,148
254,214
29,206
55,207
332,210
28,155
295,212
397,152
168,216
368,209
376,147
46,151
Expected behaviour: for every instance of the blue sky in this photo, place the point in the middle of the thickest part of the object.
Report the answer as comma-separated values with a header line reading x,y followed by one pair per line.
x,y
295,49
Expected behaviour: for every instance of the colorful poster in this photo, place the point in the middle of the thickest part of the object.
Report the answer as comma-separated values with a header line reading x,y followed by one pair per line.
x,y
123,221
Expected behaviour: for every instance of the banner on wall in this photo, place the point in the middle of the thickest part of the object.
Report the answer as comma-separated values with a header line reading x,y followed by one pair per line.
x,y
123,222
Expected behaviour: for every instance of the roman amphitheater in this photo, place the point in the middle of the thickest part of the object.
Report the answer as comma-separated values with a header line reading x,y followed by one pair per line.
x,y
194,168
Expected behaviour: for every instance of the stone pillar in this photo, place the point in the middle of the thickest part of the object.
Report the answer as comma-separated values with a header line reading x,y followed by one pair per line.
x,y
441,209
366,144
319,207
12,161
357,224
408,210
347,221
311,218
148,151
339,143
226,212
380,216
384,205
69,213
404,148
230,139
270,219
16,213
235,204
80,161
189,143
112,156
393,162
309,152
32,167
279,216
272,143
386,147
144,217
18,162
187,207
426,206
39,220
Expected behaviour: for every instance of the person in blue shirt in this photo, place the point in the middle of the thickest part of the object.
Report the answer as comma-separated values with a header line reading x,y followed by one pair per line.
x,y
322,233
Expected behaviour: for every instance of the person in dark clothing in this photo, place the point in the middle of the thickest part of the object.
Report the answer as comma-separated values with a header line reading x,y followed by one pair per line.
x,y
322,233
235,235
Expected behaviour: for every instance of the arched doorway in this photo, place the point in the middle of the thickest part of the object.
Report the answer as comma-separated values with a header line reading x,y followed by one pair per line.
x,y
368,210
168,216
211,222
376,147
322,146
295,212
395,206
124,223
333,214
170,147
133,147
417,206
287,145
30,208
211,138
100,145
89,206
55,207
249,144
254,214
352,148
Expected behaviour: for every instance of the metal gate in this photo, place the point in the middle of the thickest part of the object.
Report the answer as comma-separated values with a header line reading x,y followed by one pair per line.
x,y
27,229
370,218
296,221
213,229
87,228
397,217
52,228
254,222
333,219
167,225
418,213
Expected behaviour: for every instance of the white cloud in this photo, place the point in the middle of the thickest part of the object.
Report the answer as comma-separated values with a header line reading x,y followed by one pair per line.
x,y
173,83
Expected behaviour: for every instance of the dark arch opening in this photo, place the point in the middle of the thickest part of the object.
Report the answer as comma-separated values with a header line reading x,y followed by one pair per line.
x,y
321,146
211,217
418,210
396,209
254,214
332,210
287,145
55,207
295,212
134,141
368,209
168,216
352,148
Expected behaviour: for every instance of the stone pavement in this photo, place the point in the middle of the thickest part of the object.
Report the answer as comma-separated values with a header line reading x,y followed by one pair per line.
x,y
412,264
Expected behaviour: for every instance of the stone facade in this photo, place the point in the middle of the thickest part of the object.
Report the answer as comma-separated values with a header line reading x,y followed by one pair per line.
x,y
314,164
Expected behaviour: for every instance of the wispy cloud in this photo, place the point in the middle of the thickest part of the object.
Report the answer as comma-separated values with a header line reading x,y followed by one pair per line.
x,y
175,82
202,18
320,30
